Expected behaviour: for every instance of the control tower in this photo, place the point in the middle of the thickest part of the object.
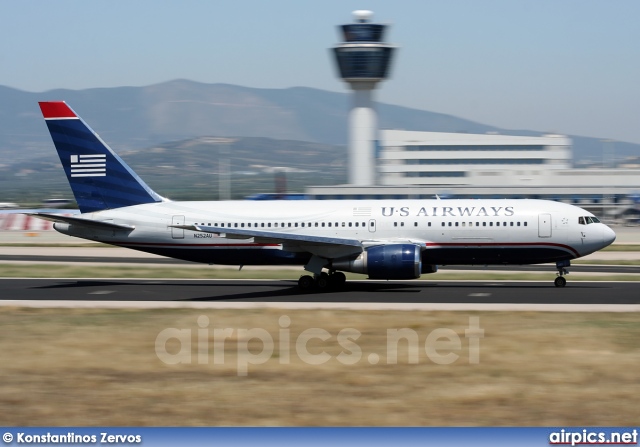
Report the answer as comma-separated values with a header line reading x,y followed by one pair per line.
x,y
363,60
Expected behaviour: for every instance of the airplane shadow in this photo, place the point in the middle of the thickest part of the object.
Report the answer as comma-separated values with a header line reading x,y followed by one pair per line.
x,y
353,291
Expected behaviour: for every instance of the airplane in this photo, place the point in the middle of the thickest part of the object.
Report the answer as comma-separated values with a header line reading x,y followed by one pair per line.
x,y
384,239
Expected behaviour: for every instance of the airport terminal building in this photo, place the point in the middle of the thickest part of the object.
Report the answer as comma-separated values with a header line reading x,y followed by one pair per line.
x,y
427,158
413,164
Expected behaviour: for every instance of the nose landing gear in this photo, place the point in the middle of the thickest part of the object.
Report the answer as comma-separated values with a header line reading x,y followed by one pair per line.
x,y
560,280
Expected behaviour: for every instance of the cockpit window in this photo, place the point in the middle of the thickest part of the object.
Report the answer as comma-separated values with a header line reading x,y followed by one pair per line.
x,y
586,220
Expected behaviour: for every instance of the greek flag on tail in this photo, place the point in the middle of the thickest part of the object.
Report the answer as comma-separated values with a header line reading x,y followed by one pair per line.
x,y
99,179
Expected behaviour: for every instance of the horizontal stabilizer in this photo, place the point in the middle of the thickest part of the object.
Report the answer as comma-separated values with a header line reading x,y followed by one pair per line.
x,y
83,222
40,210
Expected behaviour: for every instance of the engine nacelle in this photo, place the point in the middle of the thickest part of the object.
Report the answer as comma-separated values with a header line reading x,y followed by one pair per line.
x,y
397,261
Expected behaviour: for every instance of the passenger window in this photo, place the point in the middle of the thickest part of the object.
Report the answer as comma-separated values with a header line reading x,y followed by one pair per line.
x,y
484,224
525,224
415,224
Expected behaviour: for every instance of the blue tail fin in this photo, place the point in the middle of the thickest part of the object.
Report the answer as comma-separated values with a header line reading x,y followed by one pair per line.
x,y
99,179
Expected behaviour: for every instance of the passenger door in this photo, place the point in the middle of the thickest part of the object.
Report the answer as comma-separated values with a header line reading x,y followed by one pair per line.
x,y
544,225
177,233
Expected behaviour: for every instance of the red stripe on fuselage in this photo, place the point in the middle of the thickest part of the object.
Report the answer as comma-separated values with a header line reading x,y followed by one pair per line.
x,y
56,109
501,244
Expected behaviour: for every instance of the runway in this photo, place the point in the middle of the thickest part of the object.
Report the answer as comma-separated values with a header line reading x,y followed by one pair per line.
x,y
428,294
576,268
356,293
120,256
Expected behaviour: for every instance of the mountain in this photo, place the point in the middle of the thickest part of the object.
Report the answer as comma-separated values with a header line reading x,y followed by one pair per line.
x,y
131,118
190,169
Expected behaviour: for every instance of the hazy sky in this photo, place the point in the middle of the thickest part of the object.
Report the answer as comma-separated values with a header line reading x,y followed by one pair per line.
x,y
569,66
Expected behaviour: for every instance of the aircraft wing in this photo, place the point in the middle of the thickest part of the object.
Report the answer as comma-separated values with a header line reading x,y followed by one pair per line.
x,y
81,221
323,246
270,236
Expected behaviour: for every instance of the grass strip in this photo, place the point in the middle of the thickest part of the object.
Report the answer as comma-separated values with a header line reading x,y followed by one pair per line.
x,y
100,367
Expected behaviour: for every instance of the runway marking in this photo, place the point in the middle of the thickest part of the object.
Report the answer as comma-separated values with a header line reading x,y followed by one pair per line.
x,y
102,292
480,294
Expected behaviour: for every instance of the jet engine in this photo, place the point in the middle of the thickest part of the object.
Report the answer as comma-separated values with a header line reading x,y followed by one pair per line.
x,y
396,261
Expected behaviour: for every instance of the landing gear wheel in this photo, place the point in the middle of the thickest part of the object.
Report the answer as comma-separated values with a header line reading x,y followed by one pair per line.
x,y
561,266
305,283
560,281
323,281
339,279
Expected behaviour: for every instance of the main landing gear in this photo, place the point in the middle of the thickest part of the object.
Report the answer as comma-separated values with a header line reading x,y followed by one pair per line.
x,y
560,281
323,281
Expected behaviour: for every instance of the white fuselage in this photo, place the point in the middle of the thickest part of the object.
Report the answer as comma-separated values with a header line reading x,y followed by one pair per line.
x,y
451,231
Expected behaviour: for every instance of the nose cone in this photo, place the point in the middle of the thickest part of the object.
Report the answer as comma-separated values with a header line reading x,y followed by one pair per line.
x,y
608,236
